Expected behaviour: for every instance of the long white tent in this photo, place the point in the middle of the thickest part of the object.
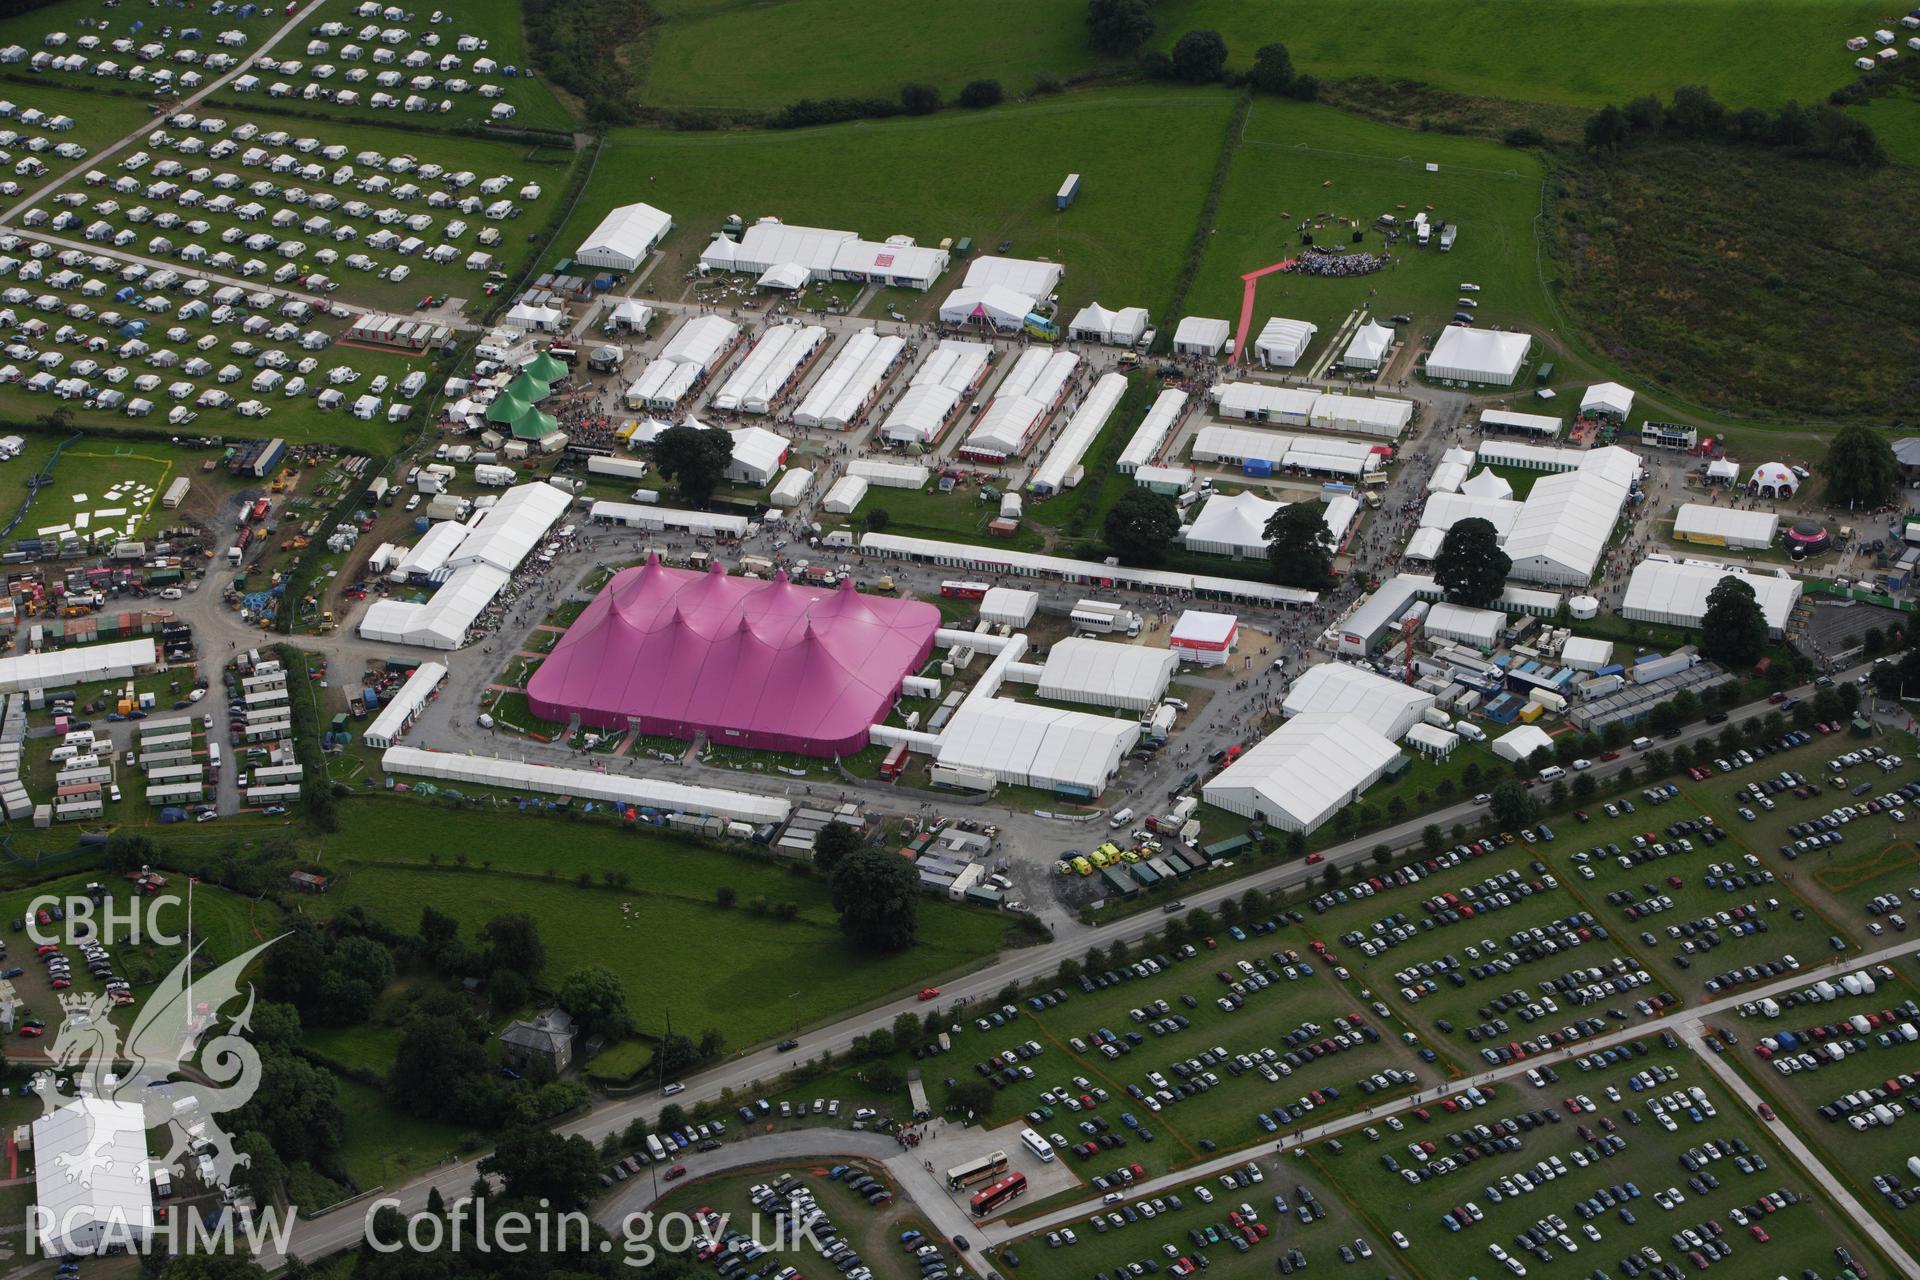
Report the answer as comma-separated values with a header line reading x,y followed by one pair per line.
x,y
1297,407
1154,430
1478,355
1320,455
637,515
1033,564
821,254
764,376
1674,592
1107,674
1086,424
624,238
585,784
890,475
1026,744
852,382
83,665
1297,776
404,707
1533,424
1725,526
1385,706
92,1180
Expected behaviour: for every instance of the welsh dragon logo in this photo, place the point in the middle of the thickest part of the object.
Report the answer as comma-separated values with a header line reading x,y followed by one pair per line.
x,y
163,1063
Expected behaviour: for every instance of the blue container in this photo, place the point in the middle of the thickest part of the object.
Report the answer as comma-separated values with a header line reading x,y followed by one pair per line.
x,y
1257,467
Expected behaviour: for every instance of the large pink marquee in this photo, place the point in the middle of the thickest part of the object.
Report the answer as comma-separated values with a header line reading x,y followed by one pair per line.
x,y
765,664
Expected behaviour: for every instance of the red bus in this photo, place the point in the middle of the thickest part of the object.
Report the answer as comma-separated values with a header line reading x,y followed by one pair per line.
x,y
896,762
999,1195
963,590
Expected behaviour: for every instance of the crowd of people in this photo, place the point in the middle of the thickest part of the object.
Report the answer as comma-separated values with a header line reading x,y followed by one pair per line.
x,y
1316,261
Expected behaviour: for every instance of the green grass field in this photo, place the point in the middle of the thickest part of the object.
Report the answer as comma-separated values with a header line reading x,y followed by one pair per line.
x,y
1300,161
1580,54
1896,120
988,175
383,1146
730,53
748,975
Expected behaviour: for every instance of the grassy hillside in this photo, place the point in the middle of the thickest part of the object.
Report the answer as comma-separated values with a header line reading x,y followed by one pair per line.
x,y
1746,279
758,54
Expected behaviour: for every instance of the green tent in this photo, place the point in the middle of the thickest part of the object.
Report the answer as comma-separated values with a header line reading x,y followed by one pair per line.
x,y
546,367
528,389
533,424
506,408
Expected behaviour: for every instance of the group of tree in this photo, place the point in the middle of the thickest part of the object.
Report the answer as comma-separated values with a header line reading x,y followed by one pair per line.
x,y
694,458
290,1130
1470,566
1859,469
876,892
1141,526
1122,28
1300,546
1695,115
441,1070
925,99
331,973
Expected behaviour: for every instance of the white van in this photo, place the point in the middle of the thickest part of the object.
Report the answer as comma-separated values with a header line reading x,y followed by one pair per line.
x,y
1120,819
1551,772
1641,744
162,1184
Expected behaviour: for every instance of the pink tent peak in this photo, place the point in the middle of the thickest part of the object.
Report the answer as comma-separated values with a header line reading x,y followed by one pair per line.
x,y
767,664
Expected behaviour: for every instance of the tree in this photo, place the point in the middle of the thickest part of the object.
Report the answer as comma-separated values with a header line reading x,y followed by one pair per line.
x,y
1382,855
726,895
436,1055
1431,838
1272,69
1733,631
906,1029
672,1116
513,941
1141,526
672,1054
1199,57
919,99
835,841
1607,129
972,1094
1470,567
982,93
1583,787
507,991
1860,469
536,1164
1118,27
1512,805
878,898
694,458
1299,546
597,999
